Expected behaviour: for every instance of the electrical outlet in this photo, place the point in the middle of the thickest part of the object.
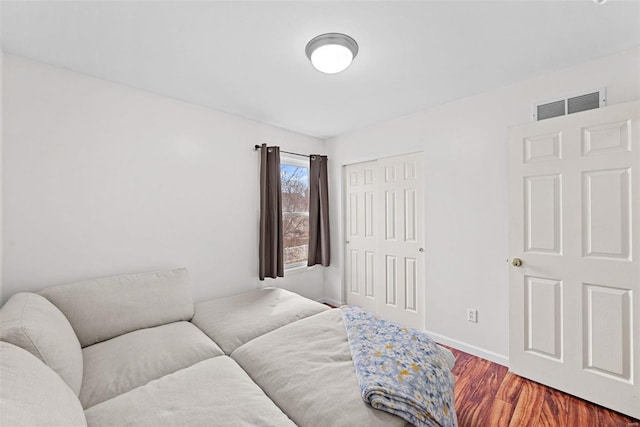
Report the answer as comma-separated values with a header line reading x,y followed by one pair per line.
x,y
472,315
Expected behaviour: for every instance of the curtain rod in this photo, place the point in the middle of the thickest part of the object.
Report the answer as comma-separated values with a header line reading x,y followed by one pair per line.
x,y
257,147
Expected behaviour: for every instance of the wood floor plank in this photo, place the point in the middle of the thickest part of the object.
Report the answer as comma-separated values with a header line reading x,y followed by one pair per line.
x,y
466,375
608,418
510,388
487,395
463,361
491,382
500,414
555,407
527,410
580,413
466,393
480,395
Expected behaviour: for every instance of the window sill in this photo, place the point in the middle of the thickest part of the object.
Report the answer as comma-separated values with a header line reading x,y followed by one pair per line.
x,y
297,269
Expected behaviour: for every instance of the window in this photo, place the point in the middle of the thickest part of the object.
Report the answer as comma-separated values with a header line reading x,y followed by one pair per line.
x,y
294,175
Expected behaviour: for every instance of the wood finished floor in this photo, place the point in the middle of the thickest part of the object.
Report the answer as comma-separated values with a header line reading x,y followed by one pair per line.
x,y
487,395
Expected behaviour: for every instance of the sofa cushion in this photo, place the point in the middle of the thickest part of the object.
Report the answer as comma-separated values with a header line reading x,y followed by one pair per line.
x,y
32,394
235,320
34,324
311,379
128,361
213,392
101,309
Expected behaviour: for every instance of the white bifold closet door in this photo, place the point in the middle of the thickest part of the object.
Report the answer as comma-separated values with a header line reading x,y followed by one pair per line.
x,y
574,233
384,229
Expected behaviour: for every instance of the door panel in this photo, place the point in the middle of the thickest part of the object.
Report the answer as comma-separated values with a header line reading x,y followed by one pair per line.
x,y
543,208
369,274
574,219
410,215
603,139
410,284
402,242
391,294
606,211
384,262
361,235
390,215
543,147
607,330
543,317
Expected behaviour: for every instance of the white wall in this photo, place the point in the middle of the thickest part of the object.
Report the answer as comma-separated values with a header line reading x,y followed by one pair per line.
x,y
465,149
1,145
102,179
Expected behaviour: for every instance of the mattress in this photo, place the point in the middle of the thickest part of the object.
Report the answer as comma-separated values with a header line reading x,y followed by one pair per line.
x,y
306,369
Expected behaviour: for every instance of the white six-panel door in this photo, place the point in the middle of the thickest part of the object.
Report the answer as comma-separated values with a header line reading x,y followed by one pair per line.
x,y
574,206
384,231
361,229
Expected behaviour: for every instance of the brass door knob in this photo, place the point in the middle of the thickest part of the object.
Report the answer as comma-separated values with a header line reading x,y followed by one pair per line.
x,y
517,262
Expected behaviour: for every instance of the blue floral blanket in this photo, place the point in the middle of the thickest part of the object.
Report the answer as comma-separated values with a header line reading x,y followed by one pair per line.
x,y
400,370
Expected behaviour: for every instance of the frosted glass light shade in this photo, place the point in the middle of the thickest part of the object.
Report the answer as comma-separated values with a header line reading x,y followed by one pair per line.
x,y
331,53
331,58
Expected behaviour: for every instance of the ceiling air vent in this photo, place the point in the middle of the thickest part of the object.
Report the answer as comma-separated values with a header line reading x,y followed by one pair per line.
x,y
551,109
569,105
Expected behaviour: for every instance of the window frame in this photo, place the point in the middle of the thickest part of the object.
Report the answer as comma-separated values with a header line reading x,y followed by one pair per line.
x,y
300,162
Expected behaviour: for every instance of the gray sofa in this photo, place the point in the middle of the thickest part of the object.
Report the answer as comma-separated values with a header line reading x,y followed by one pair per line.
x,y
135,351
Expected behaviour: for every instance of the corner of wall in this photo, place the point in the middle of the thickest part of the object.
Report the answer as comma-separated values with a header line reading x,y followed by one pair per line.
x,y
332,281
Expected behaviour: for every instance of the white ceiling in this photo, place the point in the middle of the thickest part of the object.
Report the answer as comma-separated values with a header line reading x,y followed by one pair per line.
x,y
247,58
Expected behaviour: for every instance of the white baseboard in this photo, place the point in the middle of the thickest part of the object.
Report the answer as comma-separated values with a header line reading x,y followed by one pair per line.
x,y
471,349
325,300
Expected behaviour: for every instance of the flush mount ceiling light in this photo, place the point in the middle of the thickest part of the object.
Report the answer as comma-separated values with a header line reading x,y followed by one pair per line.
x,y
332,52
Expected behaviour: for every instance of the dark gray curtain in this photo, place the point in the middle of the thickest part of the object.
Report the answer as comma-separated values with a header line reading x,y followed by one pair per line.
x,y
271,258
319,252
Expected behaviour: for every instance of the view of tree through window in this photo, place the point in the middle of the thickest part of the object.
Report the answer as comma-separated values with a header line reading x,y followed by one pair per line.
x,y
295,212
